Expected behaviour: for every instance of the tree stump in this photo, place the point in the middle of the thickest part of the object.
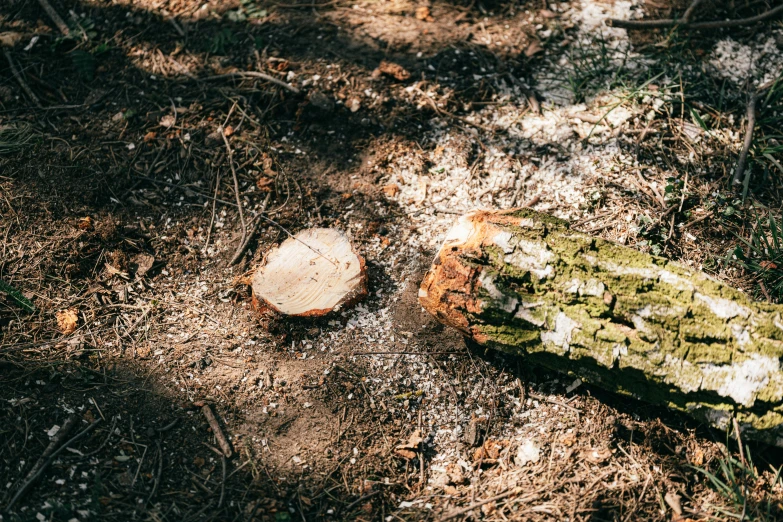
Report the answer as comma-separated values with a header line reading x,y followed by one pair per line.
x,y
632,323
311,274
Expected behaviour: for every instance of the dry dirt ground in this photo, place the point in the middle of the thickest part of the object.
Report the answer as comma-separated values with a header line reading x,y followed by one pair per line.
x,y
118,219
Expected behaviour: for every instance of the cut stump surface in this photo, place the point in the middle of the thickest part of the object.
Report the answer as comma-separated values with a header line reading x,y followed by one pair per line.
x,y
311,274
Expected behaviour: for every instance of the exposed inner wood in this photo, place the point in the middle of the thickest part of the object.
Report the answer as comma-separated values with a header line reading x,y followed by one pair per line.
x,y
311,274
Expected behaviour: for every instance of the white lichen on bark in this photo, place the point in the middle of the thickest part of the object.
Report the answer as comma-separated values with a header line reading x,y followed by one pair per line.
x,y
525,283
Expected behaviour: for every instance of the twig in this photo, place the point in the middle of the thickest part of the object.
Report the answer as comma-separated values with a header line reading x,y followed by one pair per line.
x,y
99,448
697,220
737,433
180,187
347,509
223,481
305,6
158,473
58,21
254,74
32,479
765,292
422,475
443,112
532,201
695,26
214,204
26,88
462,511
243,245
529,94
553,401
751,117
222,132
213,423
686,17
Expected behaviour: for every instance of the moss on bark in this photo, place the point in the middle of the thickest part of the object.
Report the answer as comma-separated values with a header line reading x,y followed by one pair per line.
x,y
523,282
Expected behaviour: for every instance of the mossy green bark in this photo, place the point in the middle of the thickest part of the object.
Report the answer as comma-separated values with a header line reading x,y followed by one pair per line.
x,y
523,282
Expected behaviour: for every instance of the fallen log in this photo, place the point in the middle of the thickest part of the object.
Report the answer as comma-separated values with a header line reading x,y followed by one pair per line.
x,y
628,322
310,274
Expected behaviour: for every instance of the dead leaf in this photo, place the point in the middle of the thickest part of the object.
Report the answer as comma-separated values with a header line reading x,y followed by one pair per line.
x,y
398,72
85,223
113,271
143,264
265,184
674,502
67,320
151,135
354,104
597,455
546,13
455,474
10,38
568,440
228,131
698,457
533,48
391,190
266,166
450,490
168,121
409,449
489,508
769,265
423,13
489,452
199,462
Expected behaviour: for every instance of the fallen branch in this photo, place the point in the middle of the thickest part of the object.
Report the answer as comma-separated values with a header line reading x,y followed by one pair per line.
x,y
751,117
254,74
58,438
213,423
55,17
35,476
694,26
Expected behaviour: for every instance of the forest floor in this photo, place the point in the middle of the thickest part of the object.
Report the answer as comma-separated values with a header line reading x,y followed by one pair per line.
x,y
119,216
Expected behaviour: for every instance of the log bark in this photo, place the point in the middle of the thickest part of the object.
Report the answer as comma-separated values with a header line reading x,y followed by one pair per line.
x,y
628,322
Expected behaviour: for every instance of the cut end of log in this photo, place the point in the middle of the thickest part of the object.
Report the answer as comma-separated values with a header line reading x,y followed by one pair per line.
x,y
311,274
